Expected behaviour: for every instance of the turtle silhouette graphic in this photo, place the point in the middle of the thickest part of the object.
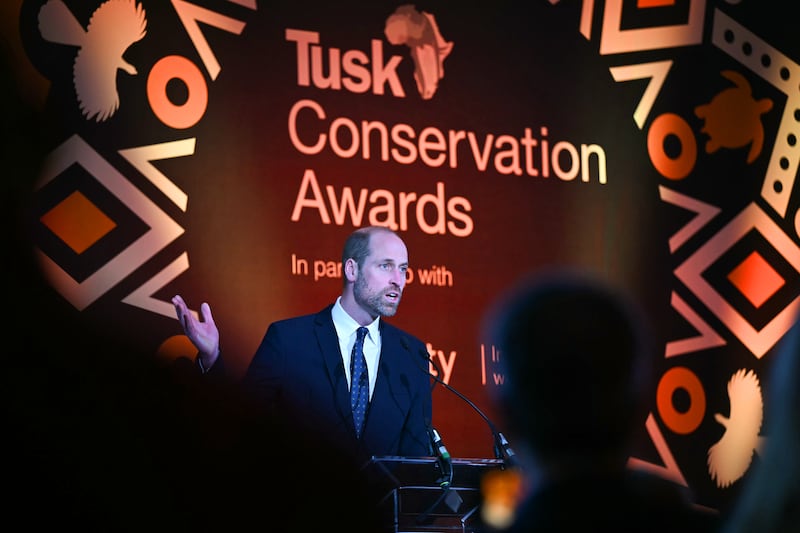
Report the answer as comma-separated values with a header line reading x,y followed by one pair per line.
x,y
733,117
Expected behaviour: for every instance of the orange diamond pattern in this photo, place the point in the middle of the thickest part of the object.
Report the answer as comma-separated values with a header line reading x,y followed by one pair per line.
x,y
78,222
756,279
654,3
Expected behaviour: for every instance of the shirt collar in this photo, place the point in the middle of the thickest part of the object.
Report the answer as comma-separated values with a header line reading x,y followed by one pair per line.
x,y
346,325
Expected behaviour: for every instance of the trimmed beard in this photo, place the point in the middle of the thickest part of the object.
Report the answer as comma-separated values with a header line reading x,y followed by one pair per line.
x,y
374,300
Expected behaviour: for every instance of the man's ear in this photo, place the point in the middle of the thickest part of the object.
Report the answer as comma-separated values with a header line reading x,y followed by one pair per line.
x,y
351,269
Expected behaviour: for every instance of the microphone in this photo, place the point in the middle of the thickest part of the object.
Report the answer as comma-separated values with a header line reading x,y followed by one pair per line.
x,y
449,496
502,448
507,453
444,459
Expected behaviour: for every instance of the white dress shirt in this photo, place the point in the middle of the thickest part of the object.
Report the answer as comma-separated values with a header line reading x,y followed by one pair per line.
x,y
346,328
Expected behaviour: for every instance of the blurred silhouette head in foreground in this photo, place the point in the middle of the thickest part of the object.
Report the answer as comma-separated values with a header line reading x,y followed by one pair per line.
x,y
577,365
577,359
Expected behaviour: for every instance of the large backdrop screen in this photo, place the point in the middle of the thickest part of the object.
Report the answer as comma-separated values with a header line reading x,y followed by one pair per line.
x,y
222,150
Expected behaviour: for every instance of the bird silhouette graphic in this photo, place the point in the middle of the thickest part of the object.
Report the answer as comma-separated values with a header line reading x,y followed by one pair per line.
x,y
112,29
731,456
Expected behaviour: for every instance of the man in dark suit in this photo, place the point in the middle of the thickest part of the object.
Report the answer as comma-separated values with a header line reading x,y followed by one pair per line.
x,y
302,368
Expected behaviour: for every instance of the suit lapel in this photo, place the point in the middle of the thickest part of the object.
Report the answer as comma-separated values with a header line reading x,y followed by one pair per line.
x,y
331,354
380,409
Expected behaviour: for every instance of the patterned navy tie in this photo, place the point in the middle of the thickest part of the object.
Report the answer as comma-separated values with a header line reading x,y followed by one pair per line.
x,y
359,382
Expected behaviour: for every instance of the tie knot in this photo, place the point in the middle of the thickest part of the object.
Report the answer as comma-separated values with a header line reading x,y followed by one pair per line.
x,y
362,333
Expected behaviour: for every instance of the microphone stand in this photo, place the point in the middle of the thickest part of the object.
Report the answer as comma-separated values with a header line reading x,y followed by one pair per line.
x,y
502,448
452,499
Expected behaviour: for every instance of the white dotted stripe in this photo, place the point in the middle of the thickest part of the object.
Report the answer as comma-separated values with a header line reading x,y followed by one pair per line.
x,y
783,74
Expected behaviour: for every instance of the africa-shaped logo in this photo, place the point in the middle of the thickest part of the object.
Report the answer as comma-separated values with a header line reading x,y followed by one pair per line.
x,y
420,33
113,27
733,117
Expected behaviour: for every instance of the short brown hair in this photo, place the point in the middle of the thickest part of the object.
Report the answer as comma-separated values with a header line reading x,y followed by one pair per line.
x,y
357,245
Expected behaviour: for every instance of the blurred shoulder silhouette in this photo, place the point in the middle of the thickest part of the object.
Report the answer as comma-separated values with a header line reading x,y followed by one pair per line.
x,y
769,501
100,435
576,355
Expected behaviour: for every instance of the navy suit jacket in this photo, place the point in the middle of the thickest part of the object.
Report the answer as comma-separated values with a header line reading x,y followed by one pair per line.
x,y
298,371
